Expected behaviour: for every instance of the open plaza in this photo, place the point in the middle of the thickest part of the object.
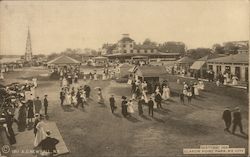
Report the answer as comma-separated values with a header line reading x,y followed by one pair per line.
x,y
95,131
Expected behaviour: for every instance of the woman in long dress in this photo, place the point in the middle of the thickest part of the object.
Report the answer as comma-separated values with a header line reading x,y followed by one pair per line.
x,y
67,97
64,82
164,93
34,80
235,82
40,135
22,117
100,98
201,85
130,107
196,89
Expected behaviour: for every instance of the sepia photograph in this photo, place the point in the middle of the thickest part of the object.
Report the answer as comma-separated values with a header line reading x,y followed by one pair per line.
x,y
130,78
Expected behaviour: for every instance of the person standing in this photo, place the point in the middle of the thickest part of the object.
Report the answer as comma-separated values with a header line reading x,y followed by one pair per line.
x,y
45,104
100,97
112,103
189,96
182,98
124,106
237,120
38,105
37,120
87,90
151,107
226,116
40,135
141,102
62,96
158,100
9,122
130,107
22,117
30,110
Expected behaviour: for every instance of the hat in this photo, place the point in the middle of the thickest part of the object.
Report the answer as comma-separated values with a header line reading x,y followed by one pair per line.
x,y
48,132
37,115
123,97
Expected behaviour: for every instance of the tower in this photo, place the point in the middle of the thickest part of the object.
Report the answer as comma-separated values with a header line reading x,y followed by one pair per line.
x,y
28,51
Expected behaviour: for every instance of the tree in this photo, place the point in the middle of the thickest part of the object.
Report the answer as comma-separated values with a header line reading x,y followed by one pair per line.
x,y
148,42
217,48
198,53
173,47
231,47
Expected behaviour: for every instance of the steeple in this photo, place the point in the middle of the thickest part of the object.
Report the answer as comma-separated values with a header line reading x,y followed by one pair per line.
x,y
28,51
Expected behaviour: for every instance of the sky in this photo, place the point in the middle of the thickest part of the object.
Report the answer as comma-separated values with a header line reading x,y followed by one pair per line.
x,y
57,25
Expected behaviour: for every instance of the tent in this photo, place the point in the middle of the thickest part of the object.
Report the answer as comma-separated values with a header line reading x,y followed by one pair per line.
x,y
64,60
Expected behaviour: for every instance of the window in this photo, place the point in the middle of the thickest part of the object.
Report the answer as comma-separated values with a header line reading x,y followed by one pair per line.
x,y
131,45
218,69
125,51
152,50
124,45
228,69
131,51
210,67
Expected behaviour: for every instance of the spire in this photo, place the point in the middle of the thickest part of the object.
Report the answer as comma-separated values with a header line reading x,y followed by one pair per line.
x,y
28,52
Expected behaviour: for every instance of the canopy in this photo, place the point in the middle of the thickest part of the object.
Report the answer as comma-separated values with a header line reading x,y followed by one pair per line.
x,y
64,60
197,65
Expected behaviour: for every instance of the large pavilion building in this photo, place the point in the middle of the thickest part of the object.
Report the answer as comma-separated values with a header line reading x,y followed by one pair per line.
x,y
234,64
126,48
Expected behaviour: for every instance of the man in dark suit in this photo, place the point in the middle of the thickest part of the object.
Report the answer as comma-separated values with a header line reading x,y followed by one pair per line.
x,y
237,120
227,119
48,145
45,104
112,103
158,99
62,96
151,107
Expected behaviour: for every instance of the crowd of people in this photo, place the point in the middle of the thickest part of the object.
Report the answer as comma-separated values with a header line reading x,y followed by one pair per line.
x,y
21,104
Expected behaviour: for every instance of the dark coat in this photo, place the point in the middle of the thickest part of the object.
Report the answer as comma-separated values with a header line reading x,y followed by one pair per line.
x,y
150,104
48,144
45,102
158,98
112,101
227,115
237,117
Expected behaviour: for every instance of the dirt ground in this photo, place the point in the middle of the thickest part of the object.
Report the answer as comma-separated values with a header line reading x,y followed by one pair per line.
x,y
95,132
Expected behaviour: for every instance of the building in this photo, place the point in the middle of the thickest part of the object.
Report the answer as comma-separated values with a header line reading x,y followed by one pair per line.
x,y
199,67
233,64
126,48
28,51
184,63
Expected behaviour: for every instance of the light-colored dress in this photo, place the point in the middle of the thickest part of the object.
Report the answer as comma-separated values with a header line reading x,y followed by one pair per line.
x,y
166,93
95,76
100,98
67,98
64,82
40,135
235,82
130,107
196,90
201,85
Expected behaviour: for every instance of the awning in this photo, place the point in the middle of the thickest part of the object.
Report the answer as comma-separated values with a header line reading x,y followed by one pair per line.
x,y
197,65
